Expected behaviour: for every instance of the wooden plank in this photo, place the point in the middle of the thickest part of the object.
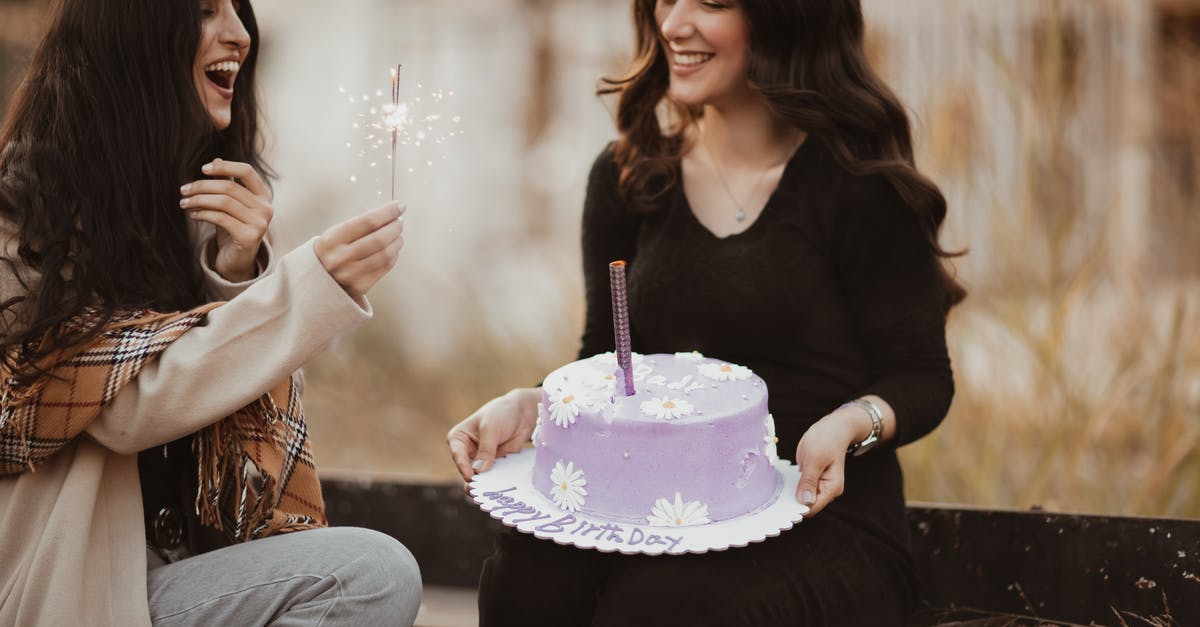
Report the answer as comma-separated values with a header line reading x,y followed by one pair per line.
x,y
446,532
973,564
1061,567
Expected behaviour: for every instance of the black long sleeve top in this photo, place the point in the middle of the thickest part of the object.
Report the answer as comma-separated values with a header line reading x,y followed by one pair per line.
x,y
832,293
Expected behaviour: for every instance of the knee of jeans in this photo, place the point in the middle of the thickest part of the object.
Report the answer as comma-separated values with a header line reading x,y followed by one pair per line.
x,y
387,572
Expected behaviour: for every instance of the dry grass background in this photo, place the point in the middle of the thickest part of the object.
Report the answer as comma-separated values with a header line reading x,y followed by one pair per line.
x,y
1079,366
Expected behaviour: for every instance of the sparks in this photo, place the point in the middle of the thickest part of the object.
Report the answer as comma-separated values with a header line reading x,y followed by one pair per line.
x,y
382,121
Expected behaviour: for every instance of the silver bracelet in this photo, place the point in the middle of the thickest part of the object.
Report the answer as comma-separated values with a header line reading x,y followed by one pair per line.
x,y
876,435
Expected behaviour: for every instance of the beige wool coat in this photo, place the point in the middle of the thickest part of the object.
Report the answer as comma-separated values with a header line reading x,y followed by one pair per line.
x,y
72,537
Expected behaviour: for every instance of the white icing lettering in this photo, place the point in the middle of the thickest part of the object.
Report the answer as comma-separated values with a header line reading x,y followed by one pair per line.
x,y
657,380
694,386
681,383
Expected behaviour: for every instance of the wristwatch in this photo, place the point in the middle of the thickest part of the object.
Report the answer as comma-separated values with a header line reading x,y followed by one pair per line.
x,y
872,439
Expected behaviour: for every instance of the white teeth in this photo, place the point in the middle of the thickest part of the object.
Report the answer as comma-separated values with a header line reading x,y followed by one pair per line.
x,y
223,66
691,59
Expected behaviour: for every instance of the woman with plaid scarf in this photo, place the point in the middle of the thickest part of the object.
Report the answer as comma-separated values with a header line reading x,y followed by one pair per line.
x,y
154,460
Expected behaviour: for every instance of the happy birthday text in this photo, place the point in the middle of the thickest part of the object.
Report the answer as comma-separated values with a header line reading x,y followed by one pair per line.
x,y
517,512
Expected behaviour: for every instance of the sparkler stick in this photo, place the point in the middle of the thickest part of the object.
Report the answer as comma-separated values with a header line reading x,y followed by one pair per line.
x,y
395,122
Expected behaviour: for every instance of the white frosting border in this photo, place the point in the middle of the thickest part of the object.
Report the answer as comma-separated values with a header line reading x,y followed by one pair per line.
x,y
506,492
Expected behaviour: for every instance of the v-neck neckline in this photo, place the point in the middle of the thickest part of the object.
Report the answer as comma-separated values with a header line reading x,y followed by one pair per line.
x,y
771,200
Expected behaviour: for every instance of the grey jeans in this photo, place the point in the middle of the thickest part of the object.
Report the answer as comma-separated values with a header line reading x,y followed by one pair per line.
x,y
335,576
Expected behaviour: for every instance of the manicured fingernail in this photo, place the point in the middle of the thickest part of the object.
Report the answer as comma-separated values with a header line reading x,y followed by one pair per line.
x,y
185,189
804,509
807,497
183,202
477,464
207,167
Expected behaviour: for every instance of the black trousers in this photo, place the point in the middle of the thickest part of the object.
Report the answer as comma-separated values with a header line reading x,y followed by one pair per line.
x,y
822,572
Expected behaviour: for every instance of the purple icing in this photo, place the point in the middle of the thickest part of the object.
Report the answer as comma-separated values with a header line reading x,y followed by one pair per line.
x,y
714,453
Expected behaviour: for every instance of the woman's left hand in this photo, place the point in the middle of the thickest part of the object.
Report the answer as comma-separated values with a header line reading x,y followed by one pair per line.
x,y
238,202
821,456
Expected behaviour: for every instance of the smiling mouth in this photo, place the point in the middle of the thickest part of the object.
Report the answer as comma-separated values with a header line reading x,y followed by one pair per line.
x,y
690,58
222,74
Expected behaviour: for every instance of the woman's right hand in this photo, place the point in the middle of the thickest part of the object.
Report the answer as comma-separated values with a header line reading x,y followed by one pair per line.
x,y
502,426
358,252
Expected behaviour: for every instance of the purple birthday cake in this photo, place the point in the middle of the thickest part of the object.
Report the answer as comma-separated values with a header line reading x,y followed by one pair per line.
x,y
694,445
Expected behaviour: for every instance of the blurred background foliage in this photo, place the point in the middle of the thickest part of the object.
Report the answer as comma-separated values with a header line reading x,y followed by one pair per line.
x,y
1064,133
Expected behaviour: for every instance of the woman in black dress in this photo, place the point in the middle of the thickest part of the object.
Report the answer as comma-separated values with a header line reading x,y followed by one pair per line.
x,y
764,193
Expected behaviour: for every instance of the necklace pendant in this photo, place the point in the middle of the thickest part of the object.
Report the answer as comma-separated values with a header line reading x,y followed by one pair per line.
x,y
740,215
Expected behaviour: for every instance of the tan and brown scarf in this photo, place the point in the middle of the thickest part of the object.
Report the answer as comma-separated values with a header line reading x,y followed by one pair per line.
x,y
256,471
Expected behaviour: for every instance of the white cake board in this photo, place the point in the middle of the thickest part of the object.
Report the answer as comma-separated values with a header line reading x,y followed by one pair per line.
x,y
507,493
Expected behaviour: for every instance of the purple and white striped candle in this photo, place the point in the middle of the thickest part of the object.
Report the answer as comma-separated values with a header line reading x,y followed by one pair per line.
x,y
620,309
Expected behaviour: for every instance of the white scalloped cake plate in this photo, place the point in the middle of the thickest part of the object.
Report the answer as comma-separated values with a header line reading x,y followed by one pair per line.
x,y
506,492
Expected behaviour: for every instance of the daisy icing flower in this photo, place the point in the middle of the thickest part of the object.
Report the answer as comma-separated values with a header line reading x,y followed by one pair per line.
x,y
564,407
769,449
680,384
666,408
725,372
600,380
691,356
567,491
677,514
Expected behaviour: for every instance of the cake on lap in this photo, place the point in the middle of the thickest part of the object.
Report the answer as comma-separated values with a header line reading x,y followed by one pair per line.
x,y
694,445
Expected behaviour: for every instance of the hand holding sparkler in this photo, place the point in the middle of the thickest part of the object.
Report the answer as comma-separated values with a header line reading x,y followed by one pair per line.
x,y
358,252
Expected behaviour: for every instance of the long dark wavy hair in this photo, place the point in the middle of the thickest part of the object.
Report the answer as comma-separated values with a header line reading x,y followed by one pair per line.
x,y
102,132
807,60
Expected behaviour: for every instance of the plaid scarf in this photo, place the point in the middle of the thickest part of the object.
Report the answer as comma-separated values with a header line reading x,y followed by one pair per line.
x,y
255,469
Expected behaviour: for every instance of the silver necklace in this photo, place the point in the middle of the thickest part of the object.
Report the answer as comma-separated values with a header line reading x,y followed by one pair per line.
x,y
740,216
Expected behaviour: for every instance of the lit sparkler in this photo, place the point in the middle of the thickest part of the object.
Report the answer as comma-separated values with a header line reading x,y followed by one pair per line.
x,y
418,121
